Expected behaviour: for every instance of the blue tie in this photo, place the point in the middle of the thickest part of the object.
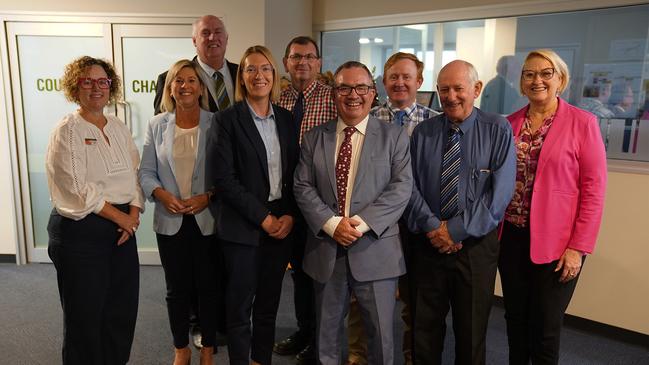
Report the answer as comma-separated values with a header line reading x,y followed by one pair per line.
x,y
450,174
398,116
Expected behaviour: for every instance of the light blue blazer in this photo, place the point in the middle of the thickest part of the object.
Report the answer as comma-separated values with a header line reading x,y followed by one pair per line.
x,y
157,170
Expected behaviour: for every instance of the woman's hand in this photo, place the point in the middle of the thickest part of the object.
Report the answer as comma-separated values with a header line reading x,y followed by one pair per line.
x,y
570,263
172,204
134,212
197,203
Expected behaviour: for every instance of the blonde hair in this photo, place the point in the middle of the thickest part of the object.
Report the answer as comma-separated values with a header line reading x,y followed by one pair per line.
x,y
168,102
240,92
558,64
404,56
77,68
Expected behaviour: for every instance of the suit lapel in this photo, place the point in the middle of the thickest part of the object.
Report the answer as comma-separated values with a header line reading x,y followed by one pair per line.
x,y
364,162
559,125
203,124
329,142
169,135
251,131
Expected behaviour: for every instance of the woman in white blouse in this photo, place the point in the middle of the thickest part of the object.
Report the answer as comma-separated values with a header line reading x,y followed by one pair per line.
x,y
91,165
172,174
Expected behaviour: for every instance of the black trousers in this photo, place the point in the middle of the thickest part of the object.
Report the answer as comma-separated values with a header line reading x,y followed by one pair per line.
x,y
188,260
254,277
303,296
98,285
535,300
463,282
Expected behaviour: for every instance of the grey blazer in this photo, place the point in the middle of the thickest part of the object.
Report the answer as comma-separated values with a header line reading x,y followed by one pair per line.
x,y
381,191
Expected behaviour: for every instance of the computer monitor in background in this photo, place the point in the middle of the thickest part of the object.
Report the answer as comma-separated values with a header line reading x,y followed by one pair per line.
x,y
430,99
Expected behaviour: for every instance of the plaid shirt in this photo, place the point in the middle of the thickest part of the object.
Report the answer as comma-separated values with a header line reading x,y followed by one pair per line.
x,y
415,114
319,104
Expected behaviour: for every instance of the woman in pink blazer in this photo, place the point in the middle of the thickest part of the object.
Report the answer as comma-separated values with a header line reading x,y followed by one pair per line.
x,y
554,217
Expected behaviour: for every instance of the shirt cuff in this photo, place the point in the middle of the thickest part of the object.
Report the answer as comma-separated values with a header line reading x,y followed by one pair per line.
x,y
456,229
363,227
99,207
330,225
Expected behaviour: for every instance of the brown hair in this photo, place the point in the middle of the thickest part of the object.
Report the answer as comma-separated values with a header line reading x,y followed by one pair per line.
x,y
77,68
404,56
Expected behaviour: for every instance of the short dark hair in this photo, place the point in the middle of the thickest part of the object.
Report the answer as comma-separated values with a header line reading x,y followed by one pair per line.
x,y
301,40
353,64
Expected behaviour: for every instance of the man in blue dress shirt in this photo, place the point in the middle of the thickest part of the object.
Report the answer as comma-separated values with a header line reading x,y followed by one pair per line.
x,y
464,168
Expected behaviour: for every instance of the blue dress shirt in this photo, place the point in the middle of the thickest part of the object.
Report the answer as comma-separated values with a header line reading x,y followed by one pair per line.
x,y
268,132
486,178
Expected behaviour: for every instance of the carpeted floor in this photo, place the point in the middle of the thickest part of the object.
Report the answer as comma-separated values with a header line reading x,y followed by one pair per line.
x,y
31,326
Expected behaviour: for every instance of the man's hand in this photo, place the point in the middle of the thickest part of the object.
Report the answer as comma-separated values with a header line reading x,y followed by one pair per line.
x,y
442,241
346,232
270,225
285,227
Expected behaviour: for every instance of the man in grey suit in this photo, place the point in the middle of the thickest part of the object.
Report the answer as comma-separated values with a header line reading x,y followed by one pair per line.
x,y
352,184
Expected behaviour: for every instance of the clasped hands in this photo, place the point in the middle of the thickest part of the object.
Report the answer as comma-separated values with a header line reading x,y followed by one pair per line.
x,y
442,241
346,232
173,205
277,228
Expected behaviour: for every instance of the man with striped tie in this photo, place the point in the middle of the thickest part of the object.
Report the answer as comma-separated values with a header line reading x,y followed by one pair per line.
x,y
464,169
211,40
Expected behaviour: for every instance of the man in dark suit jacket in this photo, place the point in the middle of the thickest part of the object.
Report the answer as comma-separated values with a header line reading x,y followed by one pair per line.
x,y
352,184
210,39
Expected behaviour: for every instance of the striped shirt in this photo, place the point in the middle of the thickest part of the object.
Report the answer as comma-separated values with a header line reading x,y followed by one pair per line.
x,y
319,104
415,114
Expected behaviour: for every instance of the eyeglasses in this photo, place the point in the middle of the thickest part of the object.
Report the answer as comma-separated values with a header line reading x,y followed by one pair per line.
x,y
296,57
546,74
252,70
88,82
347,90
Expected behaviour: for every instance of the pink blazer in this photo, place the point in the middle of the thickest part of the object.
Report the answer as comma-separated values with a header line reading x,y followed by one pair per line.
x,y
570,183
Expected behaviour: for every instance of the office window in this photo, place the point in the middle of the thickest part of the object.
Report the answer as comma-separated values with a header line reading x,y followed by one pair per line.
x,y
607,52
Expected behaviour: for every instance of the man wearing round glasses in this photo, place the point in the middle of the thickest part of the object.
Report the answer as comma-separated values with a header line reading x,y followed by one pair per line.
x,y
352,184
312,104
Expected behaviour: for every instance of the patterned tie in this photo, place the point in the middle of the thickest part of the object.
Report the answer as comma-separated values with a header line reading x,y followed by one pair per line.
x,y
342,169
298,110
222,98
398,116
450,174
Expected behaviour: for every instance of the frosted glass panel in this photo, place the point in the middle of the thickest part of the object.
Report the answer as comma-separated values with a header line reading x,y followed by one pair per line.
x,y
41,61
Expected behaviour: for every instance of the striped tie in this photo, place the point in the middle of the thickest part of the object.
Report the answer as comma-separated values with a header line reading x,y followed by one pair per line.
x,y
223,100
450,174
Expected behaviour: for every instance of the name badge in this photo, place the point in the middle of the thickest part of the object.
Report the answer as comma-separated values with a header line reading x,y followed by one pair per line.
x,y
90,141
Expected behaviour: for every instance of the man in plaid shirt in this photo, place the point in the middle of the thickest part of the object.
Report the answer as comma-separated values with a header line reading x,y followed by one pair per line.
x,y
402,77
312,104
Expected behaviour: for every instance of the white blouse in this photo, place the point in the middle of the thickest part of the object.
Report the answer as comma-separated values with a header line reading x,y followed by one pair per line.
x,y
184,153
84,171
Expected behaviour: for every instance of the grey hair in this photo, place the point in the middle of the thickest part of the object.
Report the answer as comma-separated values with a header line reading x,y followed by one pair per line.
x,y
198,20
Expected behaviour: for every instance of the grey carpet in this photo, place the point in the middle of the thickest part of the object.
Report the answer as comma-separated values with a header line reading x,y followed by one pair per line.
x,y
31,326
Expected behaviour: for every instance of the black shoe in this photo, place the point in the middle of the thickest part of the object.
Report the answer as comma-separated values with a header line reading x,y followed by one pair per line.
x,y
291,345
306,356
197,338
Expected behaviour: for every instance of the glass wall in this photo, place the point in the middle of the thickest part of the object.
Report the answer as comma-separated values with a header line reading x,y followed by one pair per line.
x,y
607,52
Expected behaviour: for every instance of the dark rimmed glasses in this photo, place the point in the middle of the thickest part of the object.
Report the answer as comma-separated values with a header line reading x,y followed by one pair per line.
x,y
296,57
345,90
89,82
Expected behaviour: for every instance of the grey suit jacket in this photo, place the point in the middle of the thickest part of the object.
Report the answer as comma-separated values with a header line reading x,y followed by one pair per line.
x,y
380,193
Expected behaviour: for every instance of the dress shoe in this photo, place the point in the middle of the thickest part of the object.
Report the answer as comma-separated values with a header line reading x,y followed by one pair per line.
x,y
291,345
197,338
306,356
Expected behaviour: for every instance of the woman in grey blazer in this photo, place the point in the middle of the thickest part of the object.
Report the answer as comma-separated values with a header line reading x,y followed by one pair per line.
x,y
172,174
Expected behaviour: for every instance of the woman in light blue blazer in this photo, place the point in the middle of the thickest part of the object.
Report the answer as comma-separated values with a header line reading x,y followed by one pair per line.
x,y
172,174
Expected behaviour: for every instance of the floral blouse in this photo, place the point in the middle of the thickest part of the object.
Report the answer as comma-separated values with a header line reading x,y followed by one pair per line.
x,y
528,149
